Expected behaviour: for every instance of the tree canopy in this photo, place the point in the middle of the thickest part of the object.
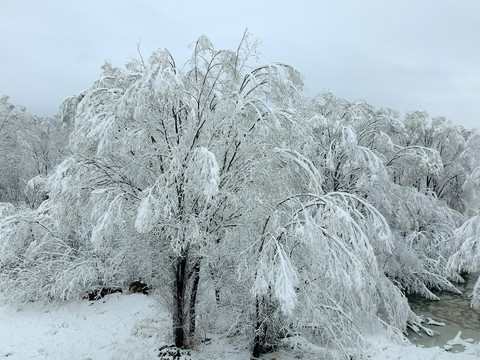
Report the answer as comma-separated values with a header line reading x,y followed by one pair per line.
x,y
230,193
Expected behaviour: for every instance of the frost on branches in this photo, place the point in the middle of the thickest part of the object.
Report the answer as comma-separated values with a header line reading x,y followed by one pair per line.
x,y
467,258
467,238
236,198
160,156
317,271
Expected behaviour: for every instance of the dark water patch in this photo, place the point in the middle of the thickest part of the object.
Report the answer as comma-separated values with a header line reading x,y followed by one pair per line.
x,y
453,310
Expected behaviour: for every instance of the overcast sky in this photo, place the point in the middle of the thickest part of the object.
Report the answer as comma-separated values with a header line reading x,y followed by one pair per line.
x,y
405,54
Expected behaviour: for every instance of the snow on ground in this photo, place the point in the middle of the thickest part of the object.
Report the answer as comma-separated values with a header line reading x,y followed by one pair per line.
x,y
385,350
117,327
111,328
134,327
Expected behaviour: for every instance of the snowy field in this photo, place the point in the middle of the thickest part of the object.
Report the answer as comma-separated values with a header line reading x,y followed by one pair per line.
x,y
133,327
112,329
119,327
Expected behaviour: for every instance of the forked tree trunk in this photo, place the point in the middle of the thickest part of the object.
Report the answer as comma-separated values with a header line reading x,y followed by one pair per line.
x,y
184,314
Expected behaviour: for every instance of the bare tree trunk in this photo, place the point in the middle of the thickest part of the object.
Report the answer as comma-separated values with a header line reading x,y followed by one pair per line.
x,y
217,296
259,340
216,289
193,299
179,302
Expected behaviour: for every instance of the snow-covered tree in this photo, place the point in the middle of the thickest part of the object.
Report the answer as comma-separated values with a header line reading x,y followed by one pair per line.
x,y
316,270
29,147
13,120
163,153
356,149
467,236
219,185
449,141
467,258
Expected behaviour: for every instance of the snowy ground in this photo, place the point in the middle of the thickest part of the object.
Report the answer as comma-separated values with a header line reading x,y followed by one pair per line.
x,y
110,329
120,327
385,350
133,327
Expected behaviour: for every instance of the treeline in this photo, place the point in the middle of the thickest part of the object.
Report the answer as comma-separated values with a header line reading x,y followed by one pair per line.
x,y
231,194
30,149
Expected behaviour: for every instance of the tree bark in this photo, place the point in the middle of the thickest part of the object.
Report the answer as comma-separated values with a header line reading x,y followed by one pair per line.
x,y
179,302
193,299
259,340
217,296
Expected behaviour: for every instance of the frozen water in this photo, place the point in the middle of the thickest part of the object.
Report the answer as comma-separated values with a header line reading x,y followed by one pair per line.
x,y
454,310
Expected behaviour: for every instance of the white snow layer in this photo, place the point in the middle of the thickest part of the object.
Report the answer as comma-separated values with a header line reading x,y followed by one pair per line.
x,y
133,327
117,327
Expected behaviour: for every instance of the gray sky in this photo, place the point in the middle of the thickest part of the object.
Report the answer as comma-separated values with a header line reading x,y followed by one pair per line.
x,y
405,54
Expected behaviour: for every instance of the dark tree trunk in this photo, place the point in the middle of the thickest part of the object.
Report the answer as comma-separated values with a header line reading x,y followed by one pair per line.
x,y
193,299
179,302
217,290
259,340
217,296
